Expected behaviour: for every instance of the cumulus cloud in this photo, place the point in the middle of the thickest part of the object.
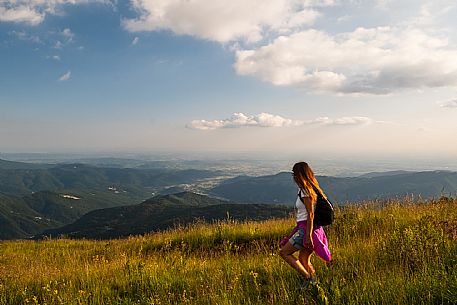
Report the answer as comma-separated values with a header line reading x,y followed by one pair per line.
x,y
20,13
449,104
412,54
65,76
224,21
240,119
270,120
368,60
33,12
273,41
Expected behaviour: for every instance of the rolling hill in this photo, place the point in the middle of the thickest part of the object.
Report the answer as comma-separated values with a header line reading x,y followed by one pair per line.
x,y
160,213
35,197
279,188
38,197
23,217
20,179
4,164
18,220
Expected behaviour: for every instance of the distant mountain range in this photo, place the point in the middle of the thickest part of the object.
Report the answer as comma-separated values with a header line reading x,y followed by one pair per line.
x,y
160,213
21,165
35,197
281,189
18,179
114,202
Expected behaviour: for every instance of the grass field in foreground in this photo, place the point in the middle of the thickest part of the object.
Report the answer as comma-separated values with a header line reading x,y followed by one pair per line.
x,y
384,253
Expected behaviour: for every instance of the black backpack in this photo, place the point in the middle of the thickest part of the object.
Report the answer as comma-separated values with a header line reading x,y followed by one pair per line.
x,y
323,211
324,214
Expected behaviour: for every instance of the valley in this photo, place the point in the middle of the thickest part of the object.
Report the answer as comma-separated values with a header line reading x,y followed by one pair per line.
x,y
40,198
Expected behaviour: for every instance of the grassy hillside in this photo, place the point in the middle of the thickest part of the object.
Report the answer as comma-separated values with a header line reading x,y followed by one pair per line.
x,y
391,253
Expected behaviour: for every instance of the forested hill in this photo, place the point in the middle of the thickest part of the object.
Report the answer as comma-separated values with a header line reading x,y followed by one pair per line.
x,y
23,217
280,188
23,178
4,164
38,197
163,212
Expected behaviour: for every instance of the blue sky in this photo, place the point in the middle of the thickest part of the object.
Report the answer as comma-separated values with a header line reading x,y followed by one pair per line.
x,y
371,78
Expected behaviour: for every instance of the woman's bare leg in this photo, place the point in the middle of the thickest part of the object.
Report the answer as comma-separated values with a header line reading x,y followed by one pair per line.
x,y
286,253
305,259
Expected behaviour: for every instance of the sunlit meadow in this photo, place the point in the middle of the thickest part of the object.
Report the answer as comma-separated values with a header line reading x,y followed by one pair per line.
x,y
396,252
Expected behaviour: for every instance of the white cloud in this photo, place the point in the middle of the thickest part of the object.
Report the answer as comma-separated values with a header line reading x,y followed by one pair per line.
x,y
20,13
412,54
58,45
343,18
135,41
356,120
33,12
270,120
239,120
58,39
368,60
55,57
221,20
65,77
68,35
347,121
383,4
449,104
22,35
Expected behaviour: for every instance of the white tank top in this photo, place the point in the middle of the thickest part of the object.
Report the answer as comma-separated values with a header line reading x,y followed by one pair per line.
x,y
302,212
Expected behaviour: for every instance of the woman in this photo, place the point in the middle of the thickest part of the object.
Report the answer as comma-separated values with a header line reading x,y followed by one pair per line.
x,y
305,237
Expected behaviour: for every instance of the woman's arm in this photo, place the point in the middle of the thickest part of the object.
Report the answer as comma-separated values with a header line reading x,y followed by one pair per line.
x,y
309,206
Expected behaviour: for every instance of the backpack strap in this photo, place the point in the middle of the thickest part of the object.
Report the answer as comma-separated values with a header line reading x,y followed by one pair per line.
x,y
319,193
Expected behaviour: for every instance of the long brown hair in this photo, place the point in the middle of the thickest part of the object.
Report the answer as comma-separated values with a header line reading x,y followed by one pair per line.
x,y
304,177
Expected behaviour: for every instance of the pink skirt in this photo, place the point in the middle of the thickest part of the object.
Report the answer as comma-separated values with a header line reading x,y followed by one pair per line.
x,y
319,240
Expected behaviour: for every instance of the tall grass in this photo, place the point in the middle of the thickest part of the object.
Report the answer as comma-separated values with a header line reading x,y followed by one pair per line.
x,y
391,253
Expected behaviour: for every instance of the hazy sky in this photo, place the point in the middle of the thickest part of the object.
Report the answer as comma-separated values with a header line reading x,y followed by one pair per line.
x,y
349,77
